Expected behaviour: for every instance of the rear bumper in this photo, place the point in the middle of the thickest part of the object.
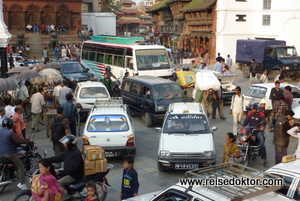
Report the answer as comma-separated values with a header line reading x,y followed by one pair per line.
x,y
171,164
120,151
227,96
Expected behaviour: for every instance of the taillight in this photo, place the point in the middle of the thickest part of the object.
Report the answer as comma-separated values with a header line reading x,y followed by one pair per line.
x,y
130,142
262,106
85,142
79,105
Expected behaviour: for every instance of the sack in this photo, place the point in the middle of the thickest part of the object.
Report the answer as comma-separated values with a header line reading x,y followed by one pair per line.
x,y
57,131
206,81
36,185
239,159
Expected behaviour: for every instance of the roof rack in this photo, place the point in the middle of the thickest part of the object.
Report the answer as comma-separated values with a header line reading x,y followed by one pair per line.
x,y
233,170
112,102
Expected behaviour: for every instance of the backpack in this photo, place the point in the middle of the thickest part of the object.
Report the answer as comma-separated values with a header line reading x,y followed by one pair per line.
x,y
58,130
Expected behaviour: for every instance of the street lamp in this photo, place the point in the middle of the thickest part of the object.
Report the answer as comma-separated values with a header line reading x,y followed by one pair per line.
x,y
5,36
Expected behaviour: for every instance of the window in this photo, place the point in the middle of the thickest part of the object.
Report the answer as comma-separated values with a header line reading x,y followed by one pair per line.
x,y
106,123
267,5
126,85
108,59
256,92
93,92
136,88
240,18
100,57
173,194
266,20
85,54
92,56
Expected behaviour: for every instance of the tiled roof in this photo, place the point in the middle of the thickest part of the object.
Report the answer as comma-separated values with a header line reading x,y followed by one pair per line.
x,y
195,5
173,1
130,11
107,8
130,20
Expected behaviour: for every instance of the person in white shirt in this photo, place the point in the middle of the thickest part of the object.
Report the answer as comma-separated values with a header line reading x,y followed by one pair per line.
x,y
63,92
9,110
203,66
2,115
229,61
236,109
264,77
37,105
295,132
56,93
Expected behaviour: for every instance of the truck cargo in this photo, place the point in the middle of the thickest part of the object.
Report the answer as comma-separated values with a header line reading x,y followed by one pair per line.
x,y
271,55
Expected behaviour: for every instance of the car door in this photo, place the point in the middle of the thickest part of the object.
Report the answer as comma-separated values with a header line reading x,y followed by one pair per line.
x,y
296,93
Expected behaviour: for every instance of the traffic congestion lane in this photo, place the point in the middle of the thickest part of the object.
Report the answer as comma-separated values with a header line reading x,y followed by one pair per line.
x,y
146,158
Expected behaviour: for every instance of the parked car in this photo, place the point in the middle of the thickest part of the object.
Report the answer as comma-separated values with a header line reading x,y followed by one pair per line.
x,y
18,61
86,93
150,96
110,126
261,92
75,72
186,140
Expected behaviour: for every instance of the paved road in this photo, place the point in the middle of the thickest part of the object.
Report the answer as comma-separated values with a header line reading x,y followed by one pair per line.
x,y
145,161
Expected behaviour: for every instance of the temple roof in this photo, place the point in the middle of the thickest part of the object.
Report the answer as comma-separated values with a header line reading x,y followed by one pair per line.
x,y
130,20
130,11
127,2
117,12
196,5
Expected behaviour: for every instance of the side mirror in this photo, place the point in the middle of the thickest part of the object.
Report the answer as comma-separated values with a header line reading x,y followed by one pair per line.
x,y
214,128
157,129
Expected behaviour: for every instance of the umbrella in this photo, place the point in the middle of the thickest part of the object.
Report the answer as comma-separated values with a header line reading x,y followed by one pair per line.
x,y
28,74
54,65
11,83
3,87
51,75
17,70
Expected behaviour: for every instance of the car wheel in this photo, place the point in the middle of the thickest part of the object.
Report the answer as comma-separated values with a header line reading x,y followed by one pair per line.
x,y
160,167
274,74
246,72
147,120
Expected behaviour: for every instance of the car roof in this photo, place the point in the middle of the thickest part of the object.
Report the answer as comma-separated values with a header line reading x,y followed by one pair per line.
x,y
90,84
108,111
271,85
150,80
185,108
287,167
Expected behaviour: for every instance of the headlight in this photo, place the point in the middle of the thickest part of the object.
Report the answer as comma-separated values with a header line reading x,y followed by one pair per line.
x,y
165,154
243,138
73,79
208,154
159,108
285,67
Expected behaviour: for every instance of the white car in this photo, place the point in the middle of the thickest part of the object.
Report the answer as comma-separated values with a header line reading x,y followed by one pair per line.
x,y
18,60
261,92
86,94
109,125
186,140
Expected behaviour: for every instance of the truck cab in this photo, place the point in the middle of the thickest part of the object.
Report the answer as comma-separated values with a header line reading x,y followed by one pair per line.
x,y
271,55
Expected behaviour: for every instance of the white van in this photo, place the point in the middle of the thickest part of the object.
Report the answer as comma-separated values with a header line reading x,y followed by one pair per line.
x,y
109,125
86,94
186,140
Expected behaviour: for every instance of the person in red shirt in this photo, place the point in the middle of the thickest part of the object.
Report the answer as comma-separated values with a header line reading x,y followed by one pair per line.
x,y
20,125
8,49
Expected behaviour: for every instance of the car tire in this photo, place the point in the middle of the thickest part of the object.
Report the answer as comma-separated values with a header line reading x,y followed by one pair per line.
x,y
274,74
147,119
246,71
160,167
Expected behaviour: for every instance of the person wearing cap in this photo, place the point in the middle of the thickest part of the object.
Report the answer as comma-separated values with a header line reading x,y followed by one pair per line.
x,y
236,109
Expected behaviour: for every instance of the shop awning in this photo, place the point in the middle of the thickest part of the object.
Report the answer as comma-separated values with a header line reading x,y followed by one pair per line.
x,y
130,20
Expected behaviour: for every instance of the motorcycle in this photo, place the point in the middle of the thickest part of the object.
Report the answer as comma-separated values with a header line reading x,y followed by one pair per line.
x,y
8,171
116,89
249,144
77,188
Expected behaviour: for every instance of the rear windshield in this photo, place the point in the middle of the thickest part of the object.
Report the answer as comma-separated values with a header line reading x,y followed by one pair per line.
x,y
73,68
93,92
256,92
186,123
105,123
165,91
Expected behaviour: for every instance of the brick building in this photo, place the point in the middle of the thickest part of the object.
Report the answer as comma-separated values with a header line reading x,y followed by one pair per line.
x,y
17,14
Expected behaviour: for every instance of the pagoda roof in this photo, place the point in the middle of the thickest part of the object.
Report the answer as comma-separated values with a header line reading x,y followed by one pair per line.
x,y
107,8
130,11
196,5
130,20
173,1
128,2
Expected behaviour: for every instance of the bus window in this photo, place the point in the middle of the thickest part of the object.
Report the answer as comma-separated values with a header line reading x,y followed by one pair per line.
x,y
92,56
108,59
100,58
152,59
118,61
129,62
85,54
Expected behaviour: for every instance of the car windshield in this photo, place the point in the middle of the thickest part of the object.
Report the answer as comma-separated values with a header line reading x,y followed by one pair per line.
x,y
107,123
93,92
286,52
256,92
166,91
186,123
152,59
73,68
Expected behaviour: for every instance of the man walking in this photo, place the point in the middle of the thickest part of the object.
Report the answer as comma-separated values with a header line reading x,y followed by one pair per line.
x,y
218,66
218,103
281,138
63,92
70,111
288,97
253,67
236,109
229,61
56,93
37,105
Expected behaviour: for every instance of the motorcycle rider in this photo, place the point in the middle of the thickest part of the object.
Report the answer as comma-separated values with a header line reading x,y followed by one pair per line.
x,y
110,74
257,119
8,148
73,162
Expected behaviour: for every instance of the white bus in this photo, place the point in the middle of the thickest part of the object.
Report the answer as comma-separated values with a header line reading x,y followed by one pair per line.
x,y
123,54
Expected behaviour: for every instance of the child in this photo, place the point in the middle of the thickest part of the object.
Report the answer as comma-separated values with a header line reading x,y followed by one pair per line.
x,y
107,82
264,77
130,183
253,79
92,192
47,187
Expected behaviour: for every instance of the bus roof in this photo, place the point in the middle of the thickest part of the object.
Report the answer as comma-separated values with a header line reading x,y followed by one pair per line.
x,y
114,39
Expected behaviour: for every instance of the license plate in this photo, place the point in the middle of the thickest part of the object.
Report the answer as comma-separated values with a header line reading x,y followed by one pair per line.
x,y
186,166
110,154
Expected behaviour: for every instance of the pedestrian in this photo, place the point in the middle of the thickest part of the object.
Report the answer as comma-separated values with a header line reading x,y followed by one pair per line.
x,y
20,125
281,138
282,75
9,110
230,148
253,67
8,49
56,94
107,82
278,111
45,185
91,32
288,97
194,65
13,48
295,132
63,51
264,77
45,55
92,192
223,63
27,50
58,29
56,53
219,58
226,70
253,79
257,119
229,61
204,67
59,127
70,111
130,182
11,61
276,93
24,95
34,62
236,109
207,101
44,29
37,105
218,66
63,92
2,115
218,103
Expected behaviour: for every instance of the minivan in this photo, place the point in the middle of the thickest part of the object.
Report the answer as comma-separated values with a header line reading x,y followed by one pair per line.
x,y
150,96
